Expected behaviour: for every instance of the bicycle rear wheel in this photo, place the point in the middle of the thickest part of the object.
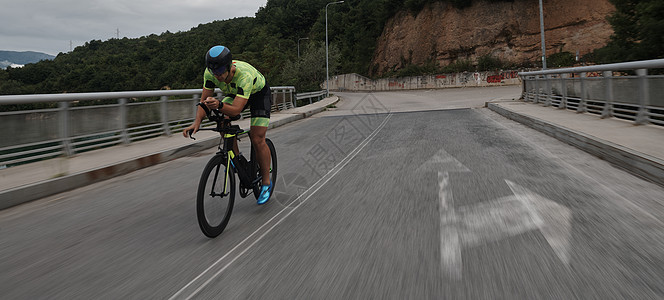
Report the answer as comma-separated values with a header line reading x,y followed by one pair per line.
x,y
273,168
216,195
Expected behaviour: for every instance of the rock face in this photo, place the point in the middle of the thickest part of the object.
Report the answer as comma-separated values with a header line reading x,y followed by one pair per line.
x,y
509,31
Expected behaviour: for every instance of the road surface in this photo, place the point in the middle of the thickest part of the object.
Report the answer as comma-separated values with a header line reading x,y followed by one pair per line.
x,y
399,195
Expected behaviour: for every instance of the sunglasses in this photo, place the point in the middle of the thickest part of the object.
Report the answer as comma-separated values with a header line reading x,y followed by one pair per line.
x,y
218,70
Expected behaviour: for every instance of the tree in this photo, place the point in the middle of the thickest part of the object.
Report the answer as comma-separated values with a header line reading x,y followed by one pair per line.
x,y
638,27
308,72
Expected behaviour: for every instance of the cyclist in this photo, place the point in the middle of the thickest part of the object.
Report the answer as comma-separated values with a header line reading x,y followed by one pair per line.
x,y
243,86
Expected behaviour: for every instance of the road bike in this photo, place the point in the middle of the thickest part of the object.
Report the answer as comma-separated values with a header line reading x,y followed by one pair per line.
x,y
216,188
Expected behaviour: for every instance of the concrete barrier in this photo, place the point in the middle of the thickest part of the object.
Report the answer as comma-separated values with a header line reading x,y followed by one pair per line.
x,y
356,82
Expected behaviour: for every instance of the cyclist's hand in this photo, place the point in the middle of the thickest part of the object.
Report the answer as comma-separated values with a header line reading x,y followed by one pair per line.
x,y
211,103
193,128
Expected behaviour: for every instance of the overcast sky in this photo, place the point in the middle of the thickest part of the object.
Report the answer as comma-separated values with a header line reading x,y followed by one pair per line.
x,y
49,25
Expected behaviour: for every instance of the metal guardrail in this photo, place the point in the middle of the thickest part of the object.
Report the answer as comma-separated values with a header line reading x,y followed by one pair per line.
x,y
301,97
293,103
606,90
87,121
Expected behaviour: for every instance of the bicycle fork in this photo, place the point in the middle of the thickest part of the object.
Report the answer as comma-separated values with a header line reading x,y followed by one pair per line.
x,y
224,192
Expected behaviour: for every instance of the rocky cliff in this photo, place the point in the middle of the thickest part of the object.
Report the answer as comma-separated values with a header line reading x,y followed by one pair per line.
x,y
509,31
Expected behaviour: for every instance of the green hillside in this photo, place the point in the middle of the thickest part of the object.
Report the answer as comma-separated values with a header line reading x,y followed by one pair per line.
x,y
176,60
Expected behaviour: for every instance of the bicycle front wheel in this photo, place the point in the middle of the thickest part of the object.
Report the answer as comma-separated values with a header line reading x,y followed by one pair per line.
x,y
216,195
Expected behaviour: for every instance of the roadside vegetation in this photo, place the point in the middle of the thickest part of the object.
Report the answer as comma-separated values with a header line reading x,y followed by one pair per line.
x,y
270,41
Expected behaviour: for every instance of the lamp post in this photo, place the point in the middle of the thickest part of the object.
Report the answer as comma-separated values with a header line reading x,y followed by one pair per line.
x,y
542,34
327,56
298,46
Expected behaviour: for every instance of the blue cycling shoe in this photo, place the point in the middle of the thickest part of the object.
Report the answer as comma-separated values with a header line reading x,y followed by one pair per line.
x,y
265,194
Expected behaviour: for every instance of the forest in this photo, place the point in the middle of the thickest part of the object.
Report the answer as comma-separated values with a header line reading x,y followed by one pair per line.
x,y
269,41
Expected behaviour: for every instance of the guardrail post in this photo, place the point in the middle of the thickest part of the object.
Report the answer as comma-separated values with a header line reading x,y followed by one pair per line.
x,y
283,93
548,90
582,104
607,112
644,95
530,89
563,91
195,101
524,95
124,135
64,129
164,115
537,89
275,99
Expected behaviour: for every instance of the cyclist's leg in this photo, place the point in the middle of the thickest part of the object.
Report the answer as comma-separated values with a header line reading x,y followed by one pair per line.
x,y
261,104
262,151
228,99
236,149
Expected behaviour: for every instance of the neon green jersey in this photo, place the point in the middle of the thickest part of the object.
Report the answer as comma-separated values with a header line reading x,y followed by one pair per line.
x,y
246,81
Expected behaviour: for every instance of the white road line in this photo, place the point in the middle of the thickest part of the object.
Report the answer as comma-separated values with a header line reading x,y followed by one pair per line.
x,y
319,184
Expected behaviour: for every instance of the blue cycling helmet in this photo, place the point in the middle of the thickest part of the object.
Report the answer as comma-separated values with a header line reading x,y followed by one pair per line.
x,y
218,59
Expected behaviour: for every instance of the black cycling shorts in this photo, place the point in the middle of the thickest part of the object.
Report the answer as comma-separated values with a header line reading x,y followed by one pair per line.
x,y
259,105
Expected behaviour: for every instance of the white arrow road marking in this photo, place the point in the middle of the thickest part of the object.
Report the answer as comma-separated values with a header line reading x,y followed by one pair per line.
x,y
555,219
493,221
443,161
450,248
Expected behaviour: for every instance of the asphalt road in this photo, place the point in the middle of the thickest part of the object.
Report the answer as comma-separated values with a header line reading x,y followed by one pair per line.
x,y
405,195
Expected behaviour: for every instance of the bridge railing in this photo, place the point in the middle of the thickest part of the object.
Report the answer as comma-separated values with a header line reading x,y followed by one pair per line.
x,y
310,97
621,90
42,126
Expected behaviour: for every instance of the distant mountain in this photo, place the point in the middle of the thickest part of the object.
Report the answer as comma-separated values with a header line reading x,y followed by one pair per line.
x,y
8,58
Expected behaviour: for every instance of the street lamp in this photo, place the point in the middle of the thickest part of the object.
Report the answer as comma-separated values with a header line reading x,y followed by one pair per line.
x,y
327,57
298,46
542,34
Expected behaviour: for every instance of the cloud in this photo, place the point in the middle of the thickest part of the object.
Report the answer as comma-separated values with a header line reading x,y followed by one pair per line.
x,y
48,26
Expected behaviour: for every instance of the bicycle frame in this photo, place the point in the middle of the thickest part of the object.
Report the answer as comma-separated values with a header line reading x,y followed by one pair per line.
x,y
244,174
229,133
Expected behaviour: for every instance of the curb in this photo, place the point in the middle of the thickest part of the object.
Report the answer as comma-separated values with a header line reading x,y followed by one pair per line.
x,y
42,189
636,163
284,121
38,190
